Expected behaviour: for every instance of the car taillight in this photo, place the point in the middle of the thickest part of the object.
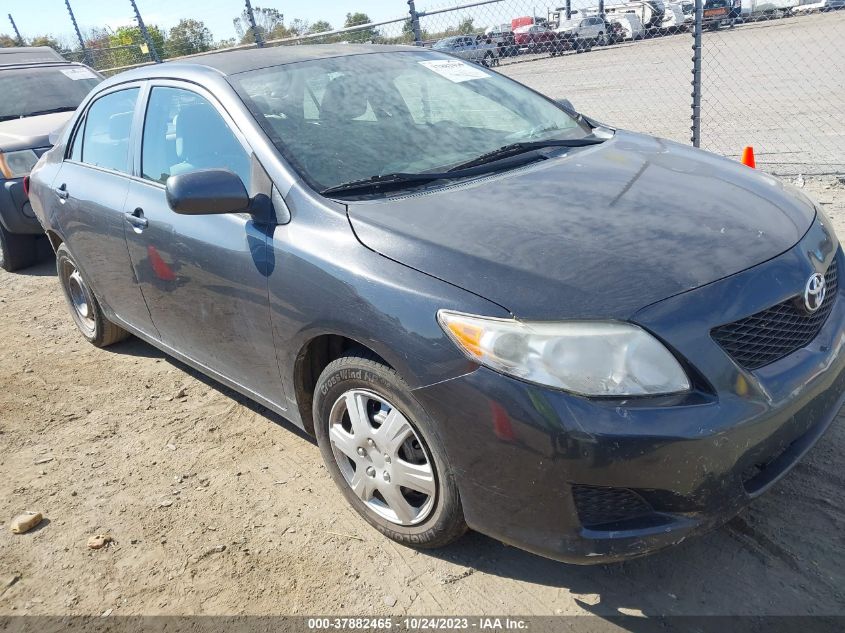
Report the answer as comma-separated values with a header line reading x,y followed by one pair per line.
x,y
26,185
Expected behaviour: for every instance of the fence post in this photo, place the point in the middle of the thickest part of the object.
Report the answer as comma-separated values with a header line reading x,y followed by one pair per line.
x,y
696,74
259,40
146,35
86,54
17,33
415,23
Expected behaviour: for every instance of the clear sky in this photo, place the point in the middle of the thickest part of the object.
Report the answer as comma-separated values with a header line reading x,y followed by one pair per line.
x,y
37,17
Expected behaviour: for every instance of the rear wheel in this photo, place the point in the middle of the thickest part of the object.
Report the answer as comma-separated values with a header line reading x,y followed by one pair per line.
x,y
84,308
17,251
381,449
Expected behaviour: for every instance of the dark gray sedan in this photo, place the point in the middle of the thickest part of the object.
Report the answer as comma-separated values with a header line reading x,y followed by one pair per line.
x,y
490,311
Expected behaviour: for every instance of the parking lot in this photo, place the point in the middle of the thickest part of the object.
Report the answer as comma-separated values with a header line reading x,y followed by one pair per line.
x,y
217,506
766,84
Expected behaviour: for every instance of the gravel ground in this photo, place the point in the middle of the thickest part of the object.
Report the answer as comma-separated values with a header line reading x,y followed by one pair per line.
x,y
775,85
219,507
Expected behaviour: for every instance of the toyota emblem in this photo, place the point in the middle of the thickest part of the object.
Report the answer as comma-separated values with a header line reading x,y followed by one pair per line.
x,y
814,292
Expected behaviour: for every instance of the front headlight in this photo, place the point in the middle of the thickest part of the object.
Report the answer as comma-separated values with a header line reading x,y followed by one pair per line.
x,y
17,164
591,358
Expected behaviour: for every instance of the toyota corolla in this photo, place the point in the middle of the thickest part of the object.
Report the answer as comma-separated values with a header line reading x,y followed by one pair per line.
x,y
491,311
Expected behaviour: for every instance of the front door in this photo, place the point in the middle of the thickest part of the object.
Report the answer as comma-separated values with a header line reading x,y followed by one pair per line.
x,y
202,275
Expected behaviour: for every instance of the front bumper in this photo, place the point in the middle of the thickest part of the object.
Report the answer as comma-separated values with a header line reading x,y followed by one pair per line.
x,y
16,213
526,457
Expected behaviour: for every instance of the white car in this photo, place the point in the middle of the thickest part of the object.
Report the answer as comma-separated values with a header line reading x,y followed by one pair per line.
x,y
473,48
631,25
589,28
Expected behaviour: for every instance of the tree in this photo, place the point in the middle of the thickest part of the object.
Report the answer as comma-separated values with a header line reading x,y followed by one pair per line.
x,y
270,23
128,41
320,26
46,40
7,41
364,35
466,26
188,37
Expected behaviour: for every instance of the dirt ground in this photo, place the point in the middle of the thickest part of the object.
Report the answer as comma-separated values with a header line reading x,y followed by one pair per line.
x,y
219,507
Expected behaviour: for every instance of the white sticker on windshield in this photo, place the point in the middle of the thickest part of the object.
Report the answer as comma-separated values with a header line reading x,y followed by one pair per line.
x,y
455,70
78,73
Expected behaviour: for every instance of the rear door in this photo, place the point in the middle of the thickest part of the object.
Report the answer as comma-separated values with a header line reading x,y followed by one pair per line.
x,y
91,189
204,277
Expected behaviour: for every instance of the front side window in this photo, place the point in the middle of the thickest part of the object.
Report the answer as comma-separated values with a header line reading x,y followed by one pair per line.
x,y
108,124
183,132
346,118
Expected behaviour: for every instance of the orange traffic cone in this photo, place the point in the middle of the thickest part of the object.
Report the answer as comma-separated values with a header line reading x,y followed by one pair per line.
x,y
748,157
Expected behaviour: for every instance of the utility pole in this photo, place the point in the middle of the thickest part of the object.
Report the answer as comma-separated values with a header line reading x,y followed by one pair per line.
x,y
153,52
15,28
85,53
259,40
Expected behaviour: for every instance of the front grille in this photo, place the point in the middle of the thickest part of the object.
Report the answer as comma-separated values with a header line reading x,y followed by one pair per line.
x,y
599,506
776,332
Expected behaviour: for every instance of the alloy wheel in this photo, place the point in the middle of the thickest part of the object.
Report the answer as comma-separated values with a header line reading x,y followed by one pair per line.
x,y
382,458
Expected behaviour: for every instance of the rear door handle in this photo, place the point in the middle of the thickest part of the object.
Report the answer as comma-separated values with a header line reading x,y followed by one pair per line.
x,y
62,192
137,219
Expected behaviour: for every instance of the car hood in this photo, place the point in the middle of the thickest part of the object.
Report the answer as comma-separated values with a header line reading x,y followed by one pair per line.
x,y
30,132
598,233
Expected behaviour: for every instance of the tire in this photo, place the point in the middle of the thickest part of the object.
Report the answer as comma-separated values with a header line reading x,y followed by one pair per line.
x,y
17,251
488,59
84,308
426,519
602,40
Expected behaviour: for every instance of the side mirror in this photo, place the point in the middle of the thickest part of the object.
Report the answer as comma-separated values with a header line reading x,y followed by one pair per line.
x,y
207,192
566,104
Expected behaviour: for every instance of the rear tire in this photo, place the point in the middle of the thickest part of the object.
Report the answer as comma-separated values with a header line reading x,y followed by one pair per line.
x,y
373,434
84,308
17,251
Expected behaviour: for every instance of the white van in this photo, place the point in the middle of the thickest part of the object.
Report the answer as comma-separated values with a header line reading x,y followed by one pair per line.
x,y
631,24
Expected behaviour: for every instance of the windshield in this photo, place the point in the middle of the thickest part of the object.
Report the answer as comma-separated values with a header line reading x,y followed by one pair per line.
x,y
25,91
349,118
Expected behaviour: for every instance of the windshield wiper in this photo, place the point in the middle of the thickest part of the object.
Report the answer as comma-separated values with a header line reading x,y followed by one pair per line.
x,y
50,111
527,146
375,184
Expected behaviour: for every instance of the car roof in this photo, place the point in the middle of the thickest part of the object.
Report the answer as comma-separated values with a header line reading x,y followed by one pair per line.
x,y
29,55
238,61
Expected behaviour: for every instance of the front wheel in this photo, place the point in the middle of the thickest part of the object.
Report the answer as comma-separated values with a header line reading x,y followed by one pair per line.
x,y
382,451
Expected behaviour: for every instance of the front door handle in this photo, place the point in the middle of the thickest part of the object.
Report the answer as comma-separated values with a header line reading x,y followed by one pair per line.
x,y
62,192
137,219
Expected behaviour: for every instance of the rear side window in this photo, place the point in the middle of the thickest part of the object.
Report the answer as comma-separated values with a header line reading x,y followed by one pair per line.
x,y
108,123
183,132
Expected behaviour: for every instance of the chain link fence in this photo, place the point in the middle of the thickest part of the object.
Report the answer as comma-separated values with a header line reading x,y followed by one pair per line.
x,y
771,71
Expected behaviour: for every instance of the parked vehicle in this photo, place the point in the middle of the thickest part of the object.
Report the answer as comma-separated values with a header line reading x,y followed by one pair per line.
x,y
717,13
674,19
473,48
808,6
649,12
592,30
502,36
536,38
527,20
631,25
595,375
38,92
